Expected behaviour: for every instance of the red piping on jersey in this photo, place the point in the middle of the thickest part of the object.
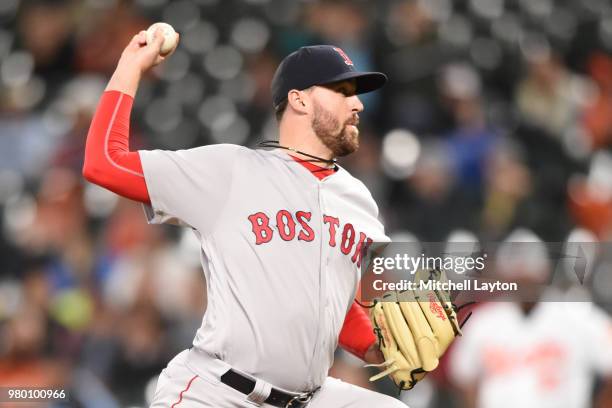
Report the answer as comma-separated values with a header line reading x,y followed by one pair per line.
x,y
185,390
317,171
108,160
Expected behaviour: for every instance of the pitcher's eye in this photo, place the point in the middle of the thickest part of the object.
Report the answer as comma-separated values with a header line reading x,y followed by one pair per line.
x,y
344,90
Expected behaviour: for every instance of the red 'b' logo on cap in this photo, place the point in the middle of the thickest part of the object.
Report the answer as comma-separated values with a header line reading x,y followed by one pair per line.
x,y
347,60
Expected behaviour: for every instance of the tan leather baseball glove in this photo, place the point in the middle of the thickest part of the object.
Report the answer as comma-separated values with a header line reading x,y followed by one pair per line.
x,y
414,329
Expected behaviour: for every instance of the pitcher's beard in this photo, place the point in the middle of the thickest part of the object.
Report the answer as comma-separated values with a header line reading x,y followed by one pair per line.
x,y
341,139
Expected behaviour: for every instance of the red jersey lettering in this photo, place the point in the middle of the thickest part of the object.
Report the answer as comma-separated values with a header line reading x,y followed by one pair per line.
x,y
307,234
286,225
261,228
333,223
348,238
360,248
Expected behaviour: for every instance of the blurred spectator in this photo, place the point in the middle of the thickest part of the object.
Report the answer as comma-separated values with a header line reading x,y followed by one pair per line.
x,y
59,230
45,30
23,360
77,100
597,118
507,185
434,203
590,197
411,53
549,96
519,353
26,143
473,139
144,266
141,354
323,17
260,70
104,34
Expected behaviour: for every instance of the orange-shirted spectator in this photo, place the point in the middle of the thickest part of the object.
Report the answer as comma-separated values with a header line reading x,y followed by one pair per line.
x,y
597,117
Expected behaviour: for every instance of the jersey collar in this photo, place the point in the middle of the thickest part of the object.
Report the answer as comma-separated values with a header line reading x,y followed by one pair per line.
x,y
317,171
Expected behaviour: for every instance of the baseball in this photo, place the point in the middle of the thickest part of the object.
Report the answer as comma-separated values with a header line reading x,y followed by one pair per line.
x,y
170,36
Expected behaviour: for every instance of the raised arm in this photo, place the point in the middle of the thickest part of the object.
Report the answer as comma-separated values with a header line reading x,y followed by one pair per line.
x,y
108,160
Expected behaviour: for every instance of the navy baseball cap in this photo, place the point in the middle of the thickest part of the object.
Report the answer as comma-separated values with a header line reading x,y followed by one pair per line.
x,y
319,65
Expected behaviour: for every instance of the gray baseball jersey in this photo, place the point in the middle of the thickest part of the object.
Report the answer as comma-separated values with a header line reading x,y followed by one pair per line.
x,y
280,250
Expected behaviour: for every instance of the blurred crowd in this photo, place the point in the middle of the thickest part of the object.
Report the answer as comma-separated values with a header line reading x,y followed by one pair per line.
x,y
497,115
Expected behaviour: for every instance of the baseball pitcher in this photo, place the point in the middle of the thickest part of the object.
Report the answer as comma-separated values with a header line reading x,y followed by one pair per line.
x,y
281,234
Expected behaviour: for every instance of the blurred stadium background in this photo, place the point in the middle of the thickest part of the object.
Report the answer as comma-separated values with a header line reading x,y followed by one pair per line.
x,y
498,115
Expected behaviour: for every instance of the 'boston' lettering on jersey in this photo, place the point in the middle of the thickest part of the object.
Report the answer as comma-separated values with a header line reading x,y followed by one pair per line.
x,y
289,226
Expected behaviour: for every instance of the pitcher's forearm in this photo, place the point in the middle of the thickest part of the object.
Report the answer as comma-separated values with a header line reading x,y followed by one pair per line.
x,y
109,162
125,79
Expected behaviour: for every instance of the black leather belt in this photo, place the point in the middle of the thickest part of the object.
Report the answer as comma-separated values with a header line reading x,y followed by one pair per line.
x,y
276,398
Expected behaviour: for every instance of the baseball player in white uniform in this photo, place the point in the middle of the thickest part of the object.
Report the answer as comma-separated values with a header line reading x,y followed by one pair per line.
x,y
281,234
540,355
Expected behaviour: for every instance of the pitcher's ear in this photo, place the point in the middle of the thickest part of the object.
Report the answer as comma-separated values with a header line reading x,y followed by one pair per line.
x,y
298,100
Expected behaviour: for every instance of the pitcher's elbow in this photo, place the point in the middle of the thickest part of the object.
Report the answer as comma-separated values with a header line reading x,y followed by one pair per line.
x,y
91,173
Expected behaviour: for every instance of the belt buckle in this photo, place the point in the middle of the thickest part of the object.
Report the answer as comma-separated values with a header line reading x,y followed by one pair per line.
x,y
301,398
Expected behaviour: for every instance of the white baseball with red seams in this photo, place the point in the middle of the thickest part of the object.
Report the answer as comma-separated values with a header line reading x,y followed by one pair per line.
x,y
170,36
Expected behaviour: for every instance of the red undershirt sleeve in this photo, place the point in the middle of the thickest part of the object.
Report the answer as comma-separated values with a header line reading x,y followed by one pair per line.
x,y
357,334
108,160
